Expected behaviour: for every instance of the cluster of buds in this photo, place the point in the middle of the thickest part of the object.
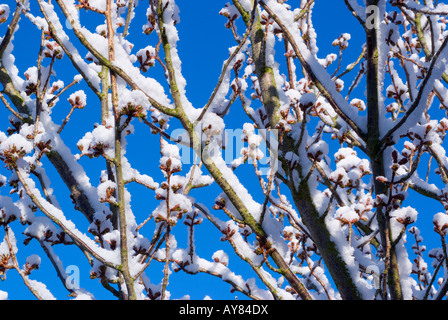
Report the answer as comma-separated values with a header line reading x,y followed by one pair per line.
x,y
104,273
398,92
398,163
409,150
245,231
392,202
405,216
253,141
192,219
299,243
132,110
180,265
437,255
263,247
31,81
141,247
348,216
341,134
46,234
220,204
86,5
266,19
176,212
444,198
175,204
53,50
256,87
146,57
329,59
16,125
342,41
417,247
228,232
339,85
149,27
44,148
55,86
358,104
122,3
350,169
62,238
393,108
419,267
397,2
4,265
286,121
32,263
170,166
153,295
94,151
392,36
4,13
78,99
317,150
221,257
14,148
238,84
100,226
11,155
98,142
6,216
440,222
159,118
111,240
442,127
211,125
231,13
307,101
294,98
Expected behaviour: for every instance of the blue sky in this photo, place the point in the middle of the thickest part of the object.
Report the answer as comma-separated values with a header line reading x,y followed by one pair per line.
x,y
203,46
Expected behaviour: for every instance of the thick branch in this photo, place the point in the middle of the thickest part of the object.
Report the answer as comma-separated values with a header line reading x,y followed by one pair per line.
x,y
124,268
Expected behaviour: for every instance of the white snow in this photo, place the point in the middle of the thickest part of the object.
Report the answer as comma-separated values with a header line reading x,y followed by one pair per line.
x,y
3,295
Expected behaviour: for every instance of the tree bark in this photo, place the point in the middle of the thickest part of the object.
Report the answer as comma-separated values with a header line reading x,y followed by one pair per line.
x,y
302,197
376,154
